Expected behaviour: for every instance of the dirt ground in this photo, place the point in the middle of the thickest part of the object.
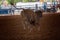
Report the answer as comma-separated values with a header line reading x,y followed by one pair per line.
x,y
11,28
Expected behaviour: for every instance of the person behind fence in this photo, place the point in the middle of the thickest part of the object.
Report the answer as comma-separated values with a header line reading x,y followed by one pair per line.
x,y
45,6
4,7
12,7
53,9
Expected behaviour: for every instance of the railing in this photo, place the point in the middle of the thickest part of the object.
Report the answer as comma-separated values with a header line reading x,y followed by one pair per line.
x,y
5,11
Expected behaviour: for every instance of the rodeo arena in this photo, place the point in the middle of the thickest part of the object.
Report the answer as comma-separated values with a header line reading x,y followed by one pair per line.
x,y
38,20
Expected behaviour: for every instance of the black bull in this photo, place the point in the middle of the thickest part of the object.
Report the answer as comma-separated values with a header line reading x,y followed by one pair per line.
x,y
30,16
